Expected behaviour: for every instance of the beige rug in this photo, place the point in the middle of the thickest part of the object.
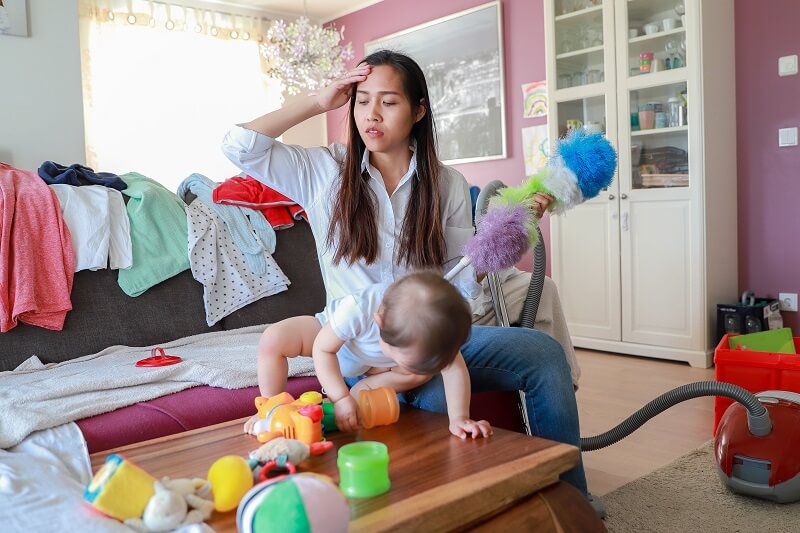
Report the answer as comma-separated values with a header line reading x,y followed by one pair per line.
x,y
687,496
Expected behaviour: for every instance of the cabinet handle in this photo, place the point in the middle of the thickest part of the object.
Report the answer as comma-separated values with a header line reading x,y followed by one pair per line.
x,y
623,196
610,196
625,221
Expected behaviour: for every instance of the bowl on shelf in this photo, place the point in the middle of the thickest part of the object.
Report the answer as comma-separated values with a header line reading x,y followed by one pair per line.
x,y
650,29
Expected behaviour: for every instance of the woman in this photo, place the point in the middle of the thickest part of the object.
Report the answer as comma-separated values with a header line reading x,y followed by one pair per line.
x,y
383,206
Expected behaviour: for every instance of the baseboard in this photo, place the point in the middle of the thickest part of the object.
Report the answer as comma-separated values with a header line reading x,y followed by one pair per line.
x,y
696,358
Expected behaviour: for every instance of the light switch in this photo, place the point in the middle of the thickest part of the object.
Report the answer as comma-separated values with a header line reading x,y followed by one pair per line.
x,y
787,65
787,137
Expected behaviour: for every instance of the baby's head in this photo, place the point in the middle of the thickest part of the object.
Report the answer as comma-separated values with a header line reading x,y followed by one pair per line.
x,y
424,321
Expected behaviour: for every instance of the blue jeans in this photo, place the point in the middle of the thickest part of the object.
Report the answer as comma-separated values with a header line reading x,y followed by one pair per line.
x,y
517,359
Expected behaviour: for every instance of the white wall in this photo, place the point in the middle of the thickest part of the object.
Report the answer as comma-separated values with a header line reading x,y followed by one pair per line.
x,y
41,105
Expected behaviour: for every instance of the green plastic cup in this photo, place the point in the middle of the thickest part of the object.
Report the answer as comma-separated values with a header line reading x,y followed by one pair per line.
x,y
363,469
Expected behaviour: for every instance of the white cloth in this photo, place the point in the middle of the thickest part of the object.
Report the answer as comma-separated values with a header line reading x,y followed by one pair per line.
x,y
550,317
53,394
98,225
311,177
352,319
217,263
41,485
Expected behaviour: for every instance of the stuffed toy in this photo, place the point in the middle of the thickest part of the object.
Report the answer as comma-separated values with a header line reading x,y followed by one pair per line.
x,y
176,503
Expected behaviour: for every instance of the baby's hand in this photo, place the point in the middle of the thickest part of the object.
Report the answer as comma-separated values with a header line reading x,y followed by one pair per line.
x,y
461,427
345,411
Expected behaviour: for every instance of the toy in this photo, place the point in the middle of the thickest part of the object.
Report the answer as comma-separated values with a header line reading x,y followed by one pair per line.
x,y
284,453
158,358
120,489
175,503
230,478
377,407
297,503
584,164
283,416
363,469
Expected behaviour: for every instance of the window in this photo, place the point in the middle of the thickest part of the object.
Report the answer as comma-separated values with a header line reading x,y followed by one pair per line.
x,y
159,101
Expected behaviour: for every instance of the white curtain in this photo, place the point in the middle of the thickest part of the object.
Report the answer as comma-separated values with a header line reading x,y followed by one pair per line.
x,y
162,84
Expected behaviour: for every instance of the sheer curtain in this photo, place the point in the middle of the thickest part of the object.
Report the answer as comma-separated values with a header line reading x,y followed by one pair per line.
x,y
163,83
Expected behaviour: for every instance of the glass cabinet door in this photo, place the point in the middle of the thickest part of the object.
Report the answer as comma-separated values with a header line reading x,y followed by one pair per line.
x,y
659,137
579,43
656,36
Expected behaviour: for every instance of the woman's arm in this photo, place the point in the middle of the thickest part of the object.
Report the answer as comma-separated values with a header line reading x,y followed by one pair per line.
x,y
457,392
333,96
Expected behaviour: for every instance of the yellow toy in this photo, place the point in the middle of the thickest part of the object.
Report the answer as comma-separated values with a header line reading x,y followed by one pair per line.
x,y
230,479
283,416
120,489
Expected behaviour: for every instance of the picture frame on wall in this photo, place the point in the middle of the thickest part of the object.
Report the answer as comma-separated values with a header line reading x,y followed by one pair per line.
x,y
14,18
462,58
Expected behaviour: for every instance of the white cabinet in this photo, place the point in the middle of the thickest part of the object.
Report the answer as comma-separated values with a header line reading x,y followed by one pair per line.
x,y
641,267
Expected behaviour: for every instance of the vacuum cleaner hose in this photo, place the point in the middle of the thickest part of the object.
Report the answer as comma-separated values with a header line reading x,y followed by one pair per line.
x,y
528,315
757,417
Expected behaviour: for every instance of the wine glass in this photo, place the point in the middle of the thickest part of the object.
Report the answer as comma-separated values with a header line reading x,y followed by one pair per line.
x,y
680,9
672,49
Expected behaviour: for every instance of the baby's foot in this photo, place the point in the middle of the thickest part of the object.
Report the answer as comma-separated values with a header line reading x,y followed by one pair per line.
x,y
250,424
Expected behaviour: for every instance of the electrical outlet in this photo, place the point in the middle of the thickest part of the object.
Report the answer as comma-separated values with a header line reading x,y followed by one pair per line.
x,y
788,301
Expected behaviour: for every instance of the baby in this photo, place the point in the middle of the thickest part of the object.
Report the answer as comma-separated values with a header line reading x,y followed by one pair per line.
x,y
398,335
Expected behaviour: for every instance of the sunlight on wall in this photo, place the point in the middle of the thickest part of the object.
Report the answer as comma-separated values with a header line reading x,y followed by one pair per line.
x,y
159,102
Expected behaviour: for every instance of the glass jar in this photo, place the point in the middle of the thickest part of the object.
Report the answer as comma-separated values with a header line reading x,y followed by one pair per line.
x,y
675,112
647,116
645,62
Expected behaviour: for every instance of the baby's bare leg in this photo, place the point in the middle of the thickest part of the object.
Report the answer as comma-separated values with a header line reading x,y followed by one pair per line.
x,y
279,343
395,378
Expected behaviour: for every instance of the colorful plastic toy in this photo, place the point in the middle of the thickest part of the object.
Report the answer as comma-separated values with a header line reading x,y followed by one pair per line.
x,y
284,454
378,407
363,469
283,416
300,503
120,489
230,478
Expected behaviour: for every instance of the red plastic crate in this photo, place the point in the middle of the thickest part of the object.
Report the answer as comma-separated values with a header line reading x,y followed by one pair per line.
x,y
754,371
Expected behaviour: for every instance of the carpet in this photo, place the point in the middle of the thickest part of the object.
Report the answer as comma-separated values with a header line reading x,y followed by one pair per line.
x,y
687,495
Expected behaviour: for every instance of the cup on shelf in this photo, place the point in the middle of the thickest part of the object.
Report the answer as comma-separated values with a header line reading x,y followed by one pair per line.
x,y
669,24
574,124
593,127
594,76
650,29
646,62
647,116
661,119
564,81
578,79
683,20
633,32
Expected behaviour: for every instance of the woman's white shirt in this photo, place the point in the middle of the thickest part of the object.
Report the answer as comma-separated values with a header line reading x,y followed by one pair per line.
x,y
311,177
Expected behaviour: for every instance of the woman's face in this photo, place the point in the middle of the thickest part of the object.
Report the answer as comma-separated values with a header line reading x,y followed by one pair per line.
x,y
382,112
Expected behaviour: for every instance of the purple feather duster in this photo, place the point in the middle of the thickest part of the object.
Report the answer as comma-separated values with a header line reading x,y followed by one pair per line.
x,y
502,238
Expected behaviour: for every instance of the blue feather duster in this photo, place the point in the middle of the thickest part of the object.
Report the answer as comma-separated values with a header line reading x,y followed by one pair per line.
x,y
591,158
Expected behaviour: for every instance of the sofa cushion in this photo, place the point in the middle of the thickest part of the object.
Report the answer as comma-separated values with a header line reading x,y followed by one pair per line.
x,y
102,316
188,409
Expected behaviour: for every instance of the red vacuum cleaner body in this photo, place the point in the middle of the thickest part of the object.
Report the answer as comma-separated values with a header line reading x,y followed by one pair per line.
x,y
766,467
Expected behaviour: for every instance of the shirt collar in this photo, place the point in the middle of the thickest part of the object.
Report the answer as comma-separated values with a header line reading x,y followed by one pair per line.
x,y
412,164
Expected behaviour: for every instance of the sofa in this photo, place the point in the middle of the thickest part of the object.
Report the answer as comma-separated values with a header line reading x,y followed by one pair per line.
x,y
104,316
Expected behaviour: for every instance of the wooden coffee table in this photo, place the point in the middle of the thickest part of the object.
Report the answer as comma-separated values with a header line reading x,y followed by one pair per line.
x,y
439,482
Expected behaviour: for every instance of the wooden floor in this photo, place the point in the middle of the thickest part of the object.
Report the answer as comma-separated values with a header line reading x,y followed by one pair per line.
x,y
612,387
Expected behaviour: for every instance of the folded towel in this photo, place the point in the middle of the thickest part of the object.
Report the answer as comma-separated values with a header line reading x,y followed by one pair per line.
x,y
280,210
76,174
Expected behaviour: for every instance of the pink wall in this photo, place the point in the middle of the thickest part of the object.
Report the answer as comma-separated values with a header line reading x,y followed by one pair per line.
x,y
523,42
769,177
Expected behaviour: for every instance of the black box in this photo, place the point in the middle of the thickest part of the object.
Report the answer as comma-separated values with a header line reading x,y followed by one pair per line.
x,y
748,316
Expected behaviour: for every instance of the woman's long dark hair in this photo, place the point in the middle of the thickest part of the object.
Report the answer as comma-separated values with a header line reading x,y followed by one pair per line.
x,y
354,219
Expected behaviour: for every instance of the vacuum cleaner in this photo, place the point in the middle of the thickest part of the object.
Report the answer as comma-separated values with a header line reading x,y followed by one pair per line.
x,y
757,445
